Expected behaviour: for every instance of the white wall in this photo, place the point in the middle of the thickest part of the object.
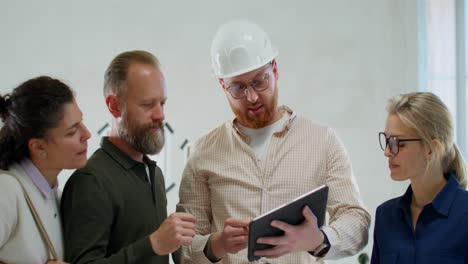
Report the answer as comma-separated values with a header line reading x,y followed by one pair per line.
x,y
339,61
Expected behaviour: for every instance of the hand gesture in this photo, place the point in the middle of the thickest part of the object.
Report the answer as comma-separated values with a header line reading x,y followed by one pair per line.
x,y
177,230
304,237
232,239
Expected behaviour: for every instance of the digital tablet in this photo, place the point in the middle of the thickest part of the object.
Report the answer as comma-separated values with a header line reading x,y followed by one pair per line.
x,y
290,213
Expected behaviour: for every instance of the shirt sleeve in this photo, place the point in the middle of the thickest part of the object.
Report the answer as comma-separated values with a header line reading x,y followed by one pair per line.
x,y
87,213
8,207
466,256
348,228
194,195
375,250
375,259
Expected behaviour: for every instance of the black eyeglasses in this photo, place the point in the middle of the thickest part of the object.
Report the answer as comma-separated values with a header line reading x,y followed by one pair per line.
x,y
393,142
240,90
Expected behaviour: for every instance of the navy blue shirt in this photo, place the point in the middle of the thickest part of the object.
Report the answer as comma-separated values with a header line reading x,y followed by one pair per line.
x,y
441,234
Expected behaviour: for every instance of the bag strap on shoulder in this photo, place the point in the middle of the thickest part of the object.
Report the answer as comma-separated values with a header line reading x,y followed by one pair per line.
x,y
50,247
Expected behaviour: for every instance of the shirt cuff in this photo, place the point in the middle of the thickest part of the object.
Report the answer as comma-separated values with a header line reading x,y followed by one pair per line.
x,y
333,240
141,250
198,245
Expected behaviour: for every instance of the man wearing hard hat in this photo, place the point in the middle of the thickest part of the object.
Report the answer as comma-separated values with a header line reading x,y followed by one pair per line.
x,y
263,158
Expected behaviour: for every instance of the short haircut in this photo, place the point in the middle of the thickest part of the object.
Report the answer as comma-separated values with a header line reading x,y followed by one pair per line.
x,y
115,76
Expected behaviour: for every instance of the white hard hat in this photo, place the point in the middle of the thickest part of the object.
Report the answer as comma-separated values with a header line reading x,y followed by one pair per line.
x,y
238,47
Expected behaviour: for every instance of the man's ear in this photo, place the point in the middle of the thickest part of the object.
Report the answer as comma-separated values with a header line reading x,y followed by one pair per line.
x,y
37,147
221,81
274,65
113,105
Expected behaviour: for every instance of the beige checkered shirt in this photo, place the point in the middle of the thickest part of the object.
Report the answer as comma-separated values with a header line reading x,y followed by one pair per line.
x,y
223,178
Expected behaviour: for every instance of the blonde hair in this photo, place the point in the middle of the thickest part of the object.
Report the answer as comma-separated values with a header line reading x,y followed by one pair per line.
x,y
116,73
428,116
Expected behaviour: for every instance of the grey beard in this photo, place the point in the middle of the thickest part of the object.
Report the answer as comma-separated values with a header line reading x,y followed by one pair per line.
x,y
144,141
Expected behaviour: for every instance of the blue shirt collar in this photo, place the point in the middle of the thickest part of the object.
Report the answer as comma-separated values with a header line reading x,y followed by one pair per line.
x,y
443,200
